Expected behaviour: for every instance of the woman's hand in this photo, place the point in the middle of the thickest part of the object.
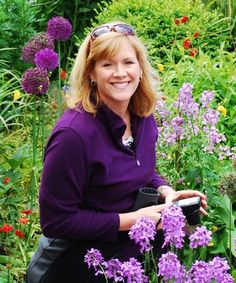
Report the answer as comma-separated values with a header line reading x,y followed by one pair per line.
x,y
153,212
171,195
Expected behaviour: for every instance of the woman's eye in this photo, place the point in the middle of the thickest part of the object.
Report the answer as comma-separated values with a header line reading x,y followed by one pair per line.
x,y
107,64
129,62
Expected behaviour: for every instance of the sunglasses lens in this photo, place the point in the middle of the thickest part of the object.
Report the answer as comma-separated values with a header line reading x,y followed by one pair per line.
x,y
126,29
121,28
99,31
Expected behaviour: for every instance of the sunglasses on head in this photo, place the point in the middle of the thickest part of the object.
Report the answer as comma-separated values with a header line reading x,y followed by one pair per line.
x,y
121,28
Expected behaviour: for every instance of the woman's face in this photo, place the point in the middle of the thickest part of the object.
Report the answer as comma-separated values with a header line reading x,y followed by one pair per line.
x,y
118,77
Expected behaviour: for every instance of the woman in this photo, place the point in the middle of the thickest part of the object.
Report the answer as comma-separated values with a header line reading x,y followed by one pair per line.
x,y
101,151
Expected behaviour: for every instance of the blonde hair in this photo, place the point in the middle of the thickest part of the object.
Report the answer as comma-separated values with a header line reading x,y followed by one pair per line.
x,y
142,102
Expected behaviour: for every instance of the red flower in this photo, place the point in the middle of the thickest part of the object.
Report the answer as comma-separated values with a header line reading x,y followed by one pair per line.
x,y
63,74
19,233
196,34
184,19
193,52
27,211
187,44
24,220
6,228
177,22
6,180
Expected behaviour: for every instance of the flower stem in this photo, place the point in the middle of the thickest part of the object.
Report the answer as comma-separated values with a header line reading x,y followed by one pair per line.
x,y
59,97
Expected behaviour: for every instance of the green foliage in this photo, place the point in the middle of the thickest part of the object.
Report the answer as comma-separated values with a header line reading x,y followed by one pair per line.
x,y
154,22
17,20
10,109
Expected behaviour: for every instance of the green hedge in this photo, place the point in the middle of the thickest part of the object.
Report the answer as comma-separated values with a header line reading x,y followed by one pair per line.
x,y
154,21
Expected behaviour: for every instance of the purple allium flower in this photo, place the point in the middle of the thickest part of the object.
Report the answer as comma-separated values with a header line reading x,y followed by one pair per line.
x,y
142,232
206,98
200,238
219,268
200,272
46,59
94,258
38,42
170,268
133,272
35,81
59,28
173,223
113,270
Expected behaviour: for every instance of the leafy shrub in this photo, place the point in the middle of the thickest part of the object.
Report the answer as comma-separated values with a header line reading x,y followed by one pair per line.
x,y
17,20
155,23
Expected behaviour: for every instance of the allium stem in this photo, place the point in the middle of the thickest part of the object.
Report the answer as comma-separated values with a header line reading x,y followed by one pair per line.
x,y
230,232
59,97
42,125
34,155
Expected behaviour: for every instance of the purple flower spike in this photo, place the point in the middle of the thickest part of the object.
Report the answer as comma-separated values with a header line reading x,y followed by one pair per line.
x,y
200,238
173,222
219,270
59,28
46,59
38,42
94,258
113,270
200,272
133,272
170,268
35,81
142,232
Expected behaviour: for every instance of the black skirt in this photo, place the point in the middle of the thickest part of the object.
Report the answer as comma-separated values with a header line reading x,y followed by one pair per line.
x,y
69,266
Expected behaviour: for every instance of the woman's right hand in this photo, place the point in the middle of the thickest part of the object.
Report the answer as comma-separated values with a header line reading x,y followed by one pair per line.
x,y
153,212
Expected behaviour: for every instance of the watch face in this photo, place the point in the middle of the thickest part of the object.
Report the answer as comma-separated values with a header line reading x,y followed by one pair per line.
x,y
189,201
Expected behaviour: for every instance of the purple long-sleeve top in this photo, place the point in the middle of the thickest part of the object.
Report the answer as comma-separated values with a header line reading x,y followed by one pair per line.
x,y
89,176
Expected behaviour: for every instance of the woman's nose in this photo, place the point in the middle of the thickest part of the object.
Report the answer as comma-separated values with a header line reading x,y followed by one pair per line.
x,y
120,71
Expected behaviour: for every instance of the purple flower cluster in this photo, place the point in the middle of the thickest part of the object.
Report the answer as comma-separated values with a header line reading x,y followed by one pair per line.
x,y
203,272
190,120
162,109
133,272
59,28
38,42
206,98
94,259
143,232
185,102
130,271
113,270
200,238
173,223
170,268
35,81
46,59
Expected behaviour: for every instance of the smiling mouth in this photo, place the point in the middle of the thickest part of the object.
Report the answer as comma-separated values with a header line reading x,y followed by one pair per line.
x,y
120,85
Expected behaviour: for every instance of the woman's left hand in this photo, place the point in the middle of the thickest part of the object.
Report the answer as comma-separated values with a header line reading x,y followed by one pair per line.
x,y
171,195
